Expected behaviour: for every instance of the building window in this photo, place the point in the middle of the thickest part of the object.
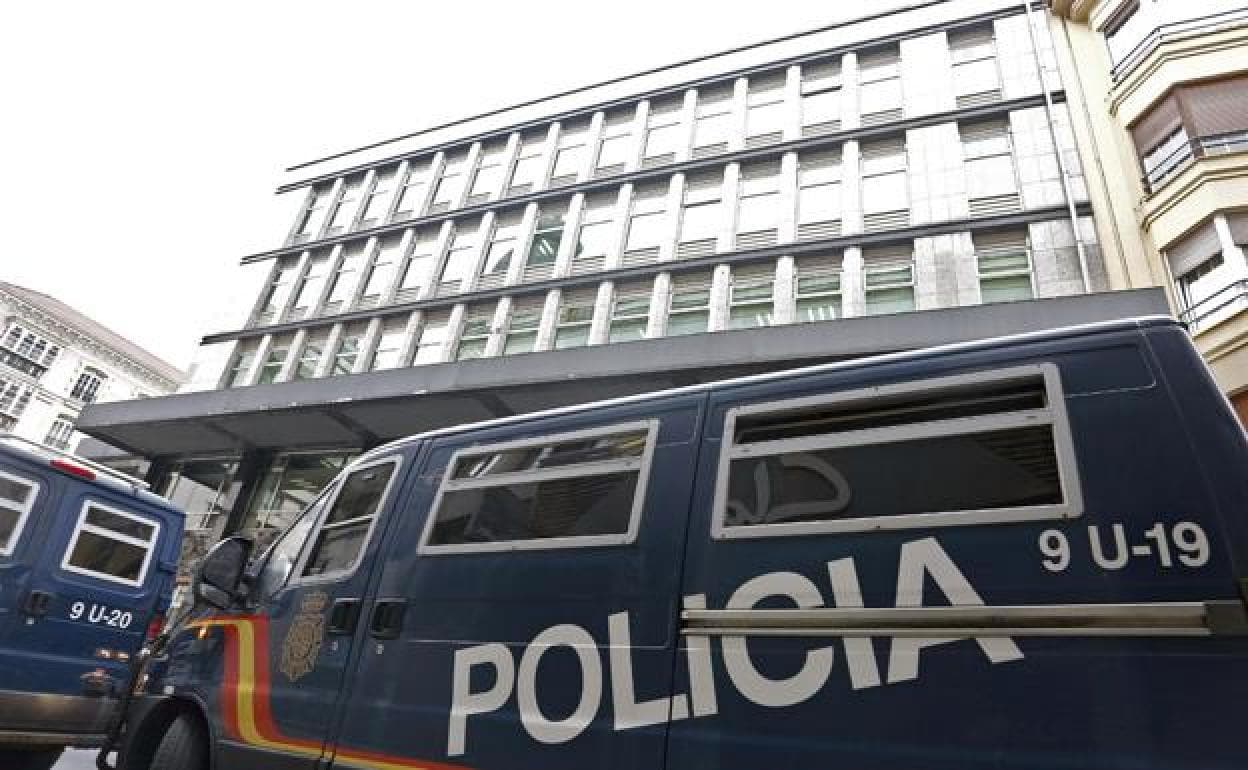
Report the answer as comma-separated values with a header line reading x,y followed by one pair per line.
x,y
530,163
14,398
689,305
419,269
347,205
544,249
111,544
27,352
665,133
377,203
501,250
976,78
345,529
576,315
1004,264
765,116
713,129
389,348
595,237
431,342
888,274
616,149
702,214
488,179
630,312
572,155
313,214
205,490
819,194
821,97
346,278
475,334
991,184
382,271
310,356
310,288
450,187
758,213
87,388
818,288
647,222
1167,156
240,367
273,363
349,347
289,486
752,297
278,292
460,259
412,194
885,190
879,90
522,326
60,433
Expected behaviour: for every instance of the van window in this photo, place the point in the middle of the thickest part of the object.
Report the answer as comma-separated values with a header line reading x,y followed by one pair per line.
x,y
17,498
993,446
345,530
112,545
582,488
281,558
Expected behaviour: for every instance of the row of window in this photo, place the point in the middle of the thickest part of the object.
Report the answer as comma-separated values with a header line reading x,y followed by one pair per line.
x,y
32,347
743,296
971,449
1138,25
763,109
14,397
738,207
107,543
1195,120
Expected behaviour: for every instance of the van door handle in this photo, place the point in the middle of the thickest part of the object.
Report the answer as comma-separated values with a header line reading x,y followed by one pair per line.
x,y
343,616
37,604
387,619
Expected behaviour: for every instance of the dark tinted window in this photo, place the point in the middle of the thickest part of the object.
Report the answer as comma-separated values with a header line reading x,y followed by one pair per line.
x,y
111,545
98,553
342,535
16,499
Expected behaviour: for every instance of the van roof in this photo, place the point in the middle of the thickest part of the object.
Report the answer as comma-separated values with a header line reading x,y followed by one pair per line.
x,y
101,476
1068,332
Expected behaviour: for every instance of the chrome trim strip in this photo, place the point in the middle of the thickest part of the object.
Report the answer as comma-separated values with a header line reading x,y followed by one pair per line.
x,y
1145,619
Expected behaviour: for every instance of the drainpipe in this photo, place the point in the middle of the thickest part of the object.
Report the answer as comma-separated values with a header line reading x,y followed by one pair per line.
x,y
1080,248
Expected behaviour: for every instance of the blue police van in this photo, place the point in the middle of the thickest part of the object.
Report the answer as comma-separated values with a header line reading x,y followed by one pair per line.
x,y
87,562
1027,552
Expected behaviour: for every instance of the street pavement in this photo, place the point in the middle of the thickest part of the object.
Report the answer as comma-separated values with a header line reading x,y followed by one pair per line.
x,y
77,760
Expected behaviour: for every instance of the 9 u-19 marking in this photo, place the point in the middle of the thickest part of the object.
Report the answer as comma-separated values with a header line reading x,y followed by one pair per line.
x,y
101,614
1186,539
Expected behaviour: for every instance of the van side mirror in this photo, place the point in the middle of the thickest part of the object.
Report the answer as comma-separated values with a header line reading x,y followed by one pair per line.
x,y
218,578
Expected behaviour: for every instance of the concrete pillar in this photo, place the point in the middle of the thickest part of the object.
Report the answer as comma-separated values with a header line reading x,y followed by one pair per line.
x,y
675,196
548,156
331,348
410,335
659,294
784,295
853,284
623,204
793,103
786,225
550,320
600,325
571,235
851,188
367,346
740,108
498,325
726,240
721,298
262,352
851,116
689,119
292,358
405,256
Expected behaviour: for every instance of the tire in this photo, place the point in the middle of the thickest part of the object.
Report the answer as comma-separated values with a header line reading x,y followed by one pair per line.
x,y
29,759
183,746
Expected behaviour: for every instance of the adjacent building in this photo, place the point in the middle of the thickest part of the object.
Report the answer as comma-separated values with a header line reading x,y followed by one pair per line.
x,y
897,181
1160,98
54,361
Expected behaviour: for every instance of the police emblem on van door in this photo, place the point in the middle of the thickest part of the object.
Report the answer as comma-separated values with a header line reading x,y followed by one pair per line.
x,y
303,641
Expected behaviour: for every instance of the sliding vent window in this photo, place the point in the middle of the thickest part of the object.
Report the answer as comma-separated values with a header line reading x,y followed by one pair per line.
x,y
17,497
344,532
111,545
970,449
574,489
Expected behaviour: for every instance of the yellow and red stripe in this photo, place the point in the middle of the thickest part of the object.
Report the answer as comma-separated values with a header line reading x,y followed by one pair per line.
x,y
245,707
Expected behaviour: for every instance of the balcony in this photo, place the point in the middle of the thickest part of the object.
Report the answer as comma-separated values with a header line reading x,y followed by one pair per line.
x,y
1193,150
1226,302
1178,30
7,423
18,362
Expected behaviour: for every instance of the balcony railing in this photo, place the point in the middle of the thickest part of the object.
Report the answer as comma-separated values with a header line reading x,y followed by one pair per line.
x,y
1200,147
1179,29
1222,304
21,363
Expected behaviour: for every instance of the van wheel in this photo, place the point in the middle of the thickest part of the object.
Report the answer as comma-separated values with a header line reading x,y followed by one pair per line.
x,y
183,746
29,759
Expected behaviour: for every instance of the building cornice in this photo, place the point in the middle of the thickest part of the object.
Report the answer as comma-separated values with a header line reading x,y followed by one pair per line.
x,y
1127,100
1175,192
1075,10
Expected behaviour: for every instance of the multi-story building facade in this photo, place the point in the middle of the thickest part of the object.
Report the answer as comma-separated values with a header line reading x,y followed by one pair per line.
x,y
54,361
1161,101
897,181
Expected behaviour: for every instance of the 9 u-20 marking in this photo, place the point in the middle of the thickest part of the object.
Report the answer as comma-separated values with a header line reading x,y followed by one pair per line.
x,y
1185,540
101,614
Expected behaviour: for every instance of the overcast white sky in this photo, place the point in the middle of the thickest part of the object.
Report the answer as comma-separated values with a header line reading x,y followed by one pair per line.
x,y
140,141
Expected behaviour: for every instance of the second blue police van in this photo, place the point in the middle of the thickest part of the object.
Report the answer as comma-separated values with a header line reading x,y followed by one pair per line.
x,y
1021,553
87,563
